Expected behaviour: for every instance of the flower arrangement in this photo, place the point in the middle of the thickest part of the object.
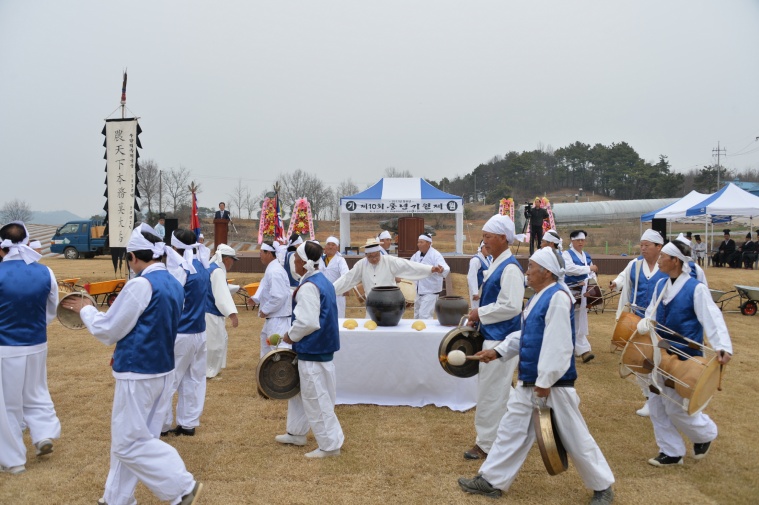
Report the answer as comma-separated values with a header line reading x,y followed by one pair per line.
x,y
269,225
301,221
506,207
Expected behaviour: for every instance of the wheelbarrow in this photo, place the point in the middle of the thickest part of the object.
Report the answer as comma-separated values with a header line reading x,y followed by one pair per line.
x,y
247,292
751,295
105,292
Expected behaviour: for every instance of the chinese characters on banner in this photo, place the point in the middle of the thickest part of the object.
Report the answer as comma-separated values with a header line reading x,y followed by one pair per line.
x,y
121,156
402,206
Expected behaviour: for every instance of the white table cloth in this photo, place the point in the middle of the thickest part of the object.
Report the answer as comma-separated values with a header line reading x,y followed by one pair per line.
x,y
397,365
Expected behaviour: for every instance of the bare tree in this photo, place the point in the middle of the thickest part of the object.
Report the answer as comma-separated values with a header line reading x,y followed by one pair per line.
x,y
238,198
251,203
17,210
176,187
148,185
394,172
345,188
300,184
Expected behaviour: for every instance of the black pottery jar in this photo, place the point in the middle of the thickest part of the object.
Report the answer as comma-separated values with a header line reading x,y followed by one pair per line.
x,y
385,305
450,310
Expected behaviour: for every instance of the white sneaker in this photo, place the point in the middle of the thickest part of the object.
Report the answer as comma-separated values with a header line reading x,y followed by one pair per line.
x,y
643,411
291,439
44,446
318,453
13,470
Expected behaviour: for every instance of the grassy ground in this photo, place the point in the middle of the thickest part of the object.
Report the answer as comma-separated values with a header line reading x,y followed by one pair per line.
x,y
391,454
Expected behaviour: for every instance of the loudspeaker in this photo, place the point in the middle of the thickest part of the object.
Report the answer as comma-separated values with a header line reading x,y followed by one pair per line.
x,y
171,225
660,225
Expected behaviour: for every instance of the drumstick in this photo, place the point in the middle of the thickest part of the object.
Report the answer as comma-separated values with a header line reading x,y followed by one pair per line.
x,y
444,358
719,385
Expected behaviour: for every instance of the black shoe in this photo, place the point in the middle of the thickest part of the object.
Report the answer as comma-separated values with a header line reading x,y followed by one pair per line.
x,y
479,485
701,450
166,433
190,432
587,356
475,453
605,497
664,460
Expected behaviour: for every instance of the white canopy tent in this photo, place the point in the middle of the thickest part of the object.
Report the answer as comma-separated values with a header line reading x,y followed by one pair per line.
x,y
677,209
401,196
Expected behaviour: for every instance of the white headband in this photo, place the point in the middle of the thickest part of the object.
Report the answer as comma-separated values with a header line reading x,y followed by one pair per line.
x,y
682,238
139,243
333,240
552,236
502,225
221,251
297,241
22,249
267,247
384,235
547,259
187,258
652,236
425,238
672,250
579,236
308,264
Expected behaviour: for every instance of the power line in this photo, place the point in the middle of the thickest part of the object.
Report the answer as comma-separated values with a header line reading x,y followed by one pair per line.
x,y
719,167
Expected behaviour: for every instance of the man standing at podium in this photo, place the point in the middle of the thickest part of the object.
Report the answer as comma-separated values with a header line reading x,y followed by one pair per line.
x,y
222,213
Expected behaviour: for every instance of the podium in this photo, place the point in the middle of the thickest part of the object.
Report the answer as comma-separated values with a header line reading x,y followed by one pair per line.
x,y
220,232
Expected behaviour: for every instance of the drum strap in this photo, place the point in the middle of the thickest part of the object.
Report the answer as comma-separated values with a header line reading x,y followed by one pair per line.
x,y
638,268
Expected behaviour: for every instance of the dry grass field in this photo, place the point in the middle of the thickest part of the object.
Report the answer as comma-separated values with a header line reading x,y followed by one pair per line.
x,y
391,454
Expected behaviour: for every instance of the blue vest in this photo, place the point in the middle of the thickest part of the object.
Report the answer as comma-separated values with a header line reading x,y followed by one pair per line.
x,y
196,290
321,344
481,271
645,288
490,290
574,279
210,300
23,303
679,316
532,338
149,347
293,282
693,273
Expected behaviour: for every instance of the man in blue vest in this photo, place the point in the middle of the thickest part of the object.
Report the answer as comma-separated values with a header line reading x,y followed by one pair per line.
x,y
579,270
478,265
637,283
315,337
219,306
544,346
143,323
499,312
683,305
28,302
190,346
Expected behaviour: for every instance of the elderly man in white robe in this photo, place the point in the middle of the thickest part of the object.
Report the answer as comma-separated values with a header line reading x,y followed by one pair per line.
x,y
220,306
428,289
385,240
334,266
377,270
274,299
546,374
501,297
579,269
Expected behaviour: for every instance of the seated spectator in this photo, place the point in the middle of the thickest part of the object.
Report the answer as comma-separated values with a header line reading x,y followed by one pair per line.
x,y
749,251
724,252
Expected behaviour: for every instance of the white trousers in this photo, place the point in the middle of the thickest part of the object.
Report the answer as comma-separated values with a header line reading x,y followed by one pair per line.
x,y
24,398
137,452
341,306
216,341
424,306
581,328
516,436
189,380
493,388
314,406
669,416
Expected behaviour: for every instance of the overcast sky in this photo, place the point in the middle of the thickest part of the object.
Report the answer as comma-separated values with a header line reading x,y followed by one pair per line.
x,y
250,89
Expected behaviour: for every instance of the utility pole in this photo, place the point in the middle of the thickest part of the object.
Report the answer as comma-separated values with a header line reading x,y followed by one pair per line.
x,y
719,152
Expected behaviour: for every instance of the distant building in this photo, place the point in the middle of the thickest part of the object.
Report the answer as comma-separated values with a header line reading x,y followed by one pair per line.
x,y
751,187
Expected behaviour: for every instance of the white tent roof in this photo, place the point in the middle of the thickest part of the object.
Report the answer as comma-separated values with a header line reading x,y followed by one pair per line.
x,y
676,210
729,201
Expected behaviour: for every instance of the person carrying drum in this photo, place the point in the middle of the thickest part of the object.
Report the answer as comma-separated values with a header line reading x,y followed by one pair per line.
x,y
478,265
579,268
683,305
333,266
143,323
428,289
28,303
544,347
315,337
273,297
499,312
